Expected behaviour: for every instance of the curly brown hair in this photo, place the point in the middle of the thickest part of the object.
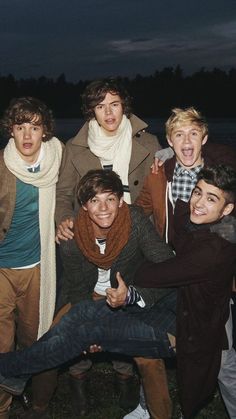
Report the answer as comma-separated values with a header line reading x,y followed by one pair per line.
x,y
96,91
25,110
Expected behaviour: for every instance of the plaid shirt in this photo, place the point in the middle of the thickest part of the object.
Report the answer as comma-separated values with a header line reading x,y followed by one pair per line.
x,y
183,182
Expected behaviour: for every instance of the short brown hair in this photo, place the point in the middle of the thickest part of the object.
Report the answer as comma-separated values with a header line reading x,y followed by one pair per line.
x,y
96,91
99,181
28,109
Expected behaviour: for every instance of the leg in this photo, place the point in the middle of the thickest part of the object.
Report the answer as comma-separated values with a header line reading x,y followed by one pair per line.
x,y
44,384
114,330
227,374
125,382
7,328
154,380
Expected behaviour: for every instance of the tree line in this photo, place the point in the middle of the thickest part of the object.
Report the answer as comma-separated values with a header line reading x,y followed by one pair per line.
x,y
211,91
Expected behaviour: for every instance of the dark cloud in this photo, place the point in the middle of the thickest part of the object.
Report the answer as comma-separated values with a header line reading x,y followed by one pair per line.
x,y
92,38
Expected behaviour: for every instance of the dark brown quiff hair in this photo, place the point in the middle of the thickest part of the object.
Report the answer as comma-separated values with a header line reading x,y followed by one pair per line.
x,y
96,91
28,110
223,177
99,181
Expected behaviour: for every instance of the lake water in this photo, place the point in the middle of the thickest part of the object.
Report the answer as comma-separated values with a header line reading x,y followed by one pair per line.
x,y
222,130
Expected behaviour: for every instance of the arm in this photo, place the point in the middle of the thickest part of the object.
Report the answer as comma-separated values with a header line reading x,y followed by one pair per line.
x,y
199,262
155,250
160,157
144,199
67,182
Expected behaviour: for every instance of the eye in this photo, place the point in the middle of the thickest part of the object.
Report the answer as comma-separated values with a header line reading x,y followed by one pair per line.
x,y
99,107
115,104
196,192
211,199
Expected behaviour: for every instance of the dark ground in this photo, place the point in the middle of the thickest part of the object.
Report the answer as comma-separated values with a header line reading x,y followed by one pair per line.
x,y
104,398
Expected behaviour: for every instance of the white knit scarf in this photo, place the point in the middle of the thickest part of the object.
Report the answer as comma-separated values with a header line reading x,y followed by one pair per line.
x,y
115,149
45,180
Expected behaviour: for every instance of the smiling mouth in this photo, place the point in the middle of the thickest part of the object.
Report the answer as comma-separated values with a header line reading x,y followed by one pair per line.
x,y
197,212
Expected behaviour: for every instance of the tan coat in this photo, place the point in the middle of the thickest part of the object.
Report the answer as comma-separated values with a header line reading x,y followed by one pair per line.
x,y
7,197
78,159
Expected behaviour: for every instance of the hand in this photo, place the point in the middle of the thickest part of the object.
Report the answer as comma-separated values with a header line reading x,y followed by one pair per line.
x,y
156,164
116,296
64,230
93,349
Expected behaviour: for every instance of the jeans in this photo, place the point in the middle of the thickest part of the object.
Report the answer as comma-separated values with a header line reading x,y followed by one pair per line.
x,y
87,323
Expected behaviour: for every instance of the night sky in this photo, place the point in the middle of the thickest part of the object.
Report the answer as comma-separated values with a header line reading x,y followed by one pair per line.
x,y
86,39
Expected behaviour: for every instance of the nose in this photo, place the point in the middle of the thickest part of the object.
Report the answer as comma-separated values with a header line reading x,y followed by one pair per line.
x,y
200,201
103,206
187,138
107,109
26,132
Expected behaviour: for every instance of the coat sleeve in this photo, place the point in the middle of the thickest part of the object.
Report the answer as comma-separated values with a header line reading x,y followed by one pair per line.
x,y
144,199
65,191
198,263
154,249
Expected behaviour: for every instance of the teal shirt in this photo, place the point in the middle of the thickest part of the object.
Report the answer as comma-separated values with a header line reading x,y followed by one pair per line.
x,y
21,246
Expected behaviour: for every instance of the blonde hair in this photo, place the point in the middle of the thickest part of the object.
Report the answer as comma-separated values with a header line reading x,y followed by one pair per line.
x,y
185,116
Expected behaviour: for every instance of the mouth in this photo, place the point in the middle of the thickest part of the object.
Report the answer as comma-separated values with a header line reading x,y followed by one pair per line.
x,y
110,121
187,152
27,145
103,216
197,212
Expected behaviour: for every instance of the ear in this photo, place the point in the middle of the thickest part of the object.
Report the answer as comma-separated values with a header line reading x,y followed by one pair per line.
x,y
228,209
169,141
121,202
84,208
204,140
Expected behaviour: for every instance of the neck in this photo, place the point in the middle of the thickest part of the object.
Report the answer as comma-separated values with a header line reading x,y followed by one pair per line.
x,y
100,233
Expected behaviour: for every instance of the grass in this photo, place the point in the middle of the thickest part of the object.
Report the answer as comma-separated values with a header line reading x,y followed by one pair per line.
x,y
103,399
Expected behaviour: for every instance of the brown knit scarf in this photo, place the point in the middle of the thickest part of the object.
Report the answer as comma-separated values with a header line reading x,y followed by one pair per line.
x,y
116,238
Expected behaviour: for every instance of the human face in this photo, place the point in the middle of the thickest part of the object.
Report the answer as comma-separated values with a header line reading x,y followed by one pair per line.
x,y
208,204
187,142
109,113
103,209
28,139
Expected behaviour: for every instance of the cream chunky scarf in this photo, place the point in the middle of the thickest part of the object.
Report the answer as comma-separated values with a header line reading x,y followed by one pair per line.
x,y
45,180
115,149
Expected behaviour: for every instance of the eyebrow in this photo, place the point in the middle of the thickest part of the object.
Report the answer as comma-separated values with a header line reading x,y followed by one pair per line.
x,y
208,193
182,130
110,103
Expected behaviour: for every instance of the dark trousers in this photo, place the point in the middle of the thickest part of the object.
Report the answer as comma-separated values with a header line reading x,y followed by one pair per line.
x,y
88,323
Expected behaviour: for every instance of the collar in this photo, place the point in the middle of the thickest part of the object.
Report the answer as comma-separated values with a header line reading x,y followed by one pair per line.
x,y
81,137
192,173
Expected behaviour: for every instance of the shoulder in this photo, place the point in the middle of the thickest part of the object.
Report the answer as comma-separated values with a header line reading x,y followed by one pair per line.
x,y
141,135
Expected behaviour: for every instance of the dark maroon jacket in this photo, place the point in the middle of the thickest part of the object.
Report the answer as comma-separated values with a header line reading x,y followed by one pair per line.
x,y
202,270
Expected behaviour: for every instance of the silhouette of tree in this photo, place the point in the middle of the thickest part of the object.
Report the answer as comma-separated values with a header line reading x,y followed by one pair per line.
x,y
212,92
